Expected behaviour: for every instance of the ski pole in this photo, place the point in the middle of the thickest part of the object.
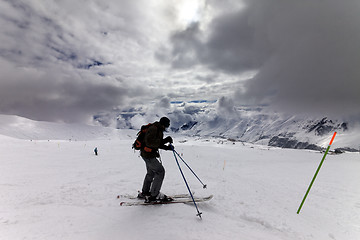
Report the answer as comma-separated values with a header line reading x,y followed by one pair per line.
x,y
187,185
317,171
204,185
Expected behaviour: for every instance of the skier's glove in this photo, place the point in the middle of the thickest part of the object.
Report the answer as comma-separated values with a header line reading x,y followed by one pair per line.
x,y
167,147
168,140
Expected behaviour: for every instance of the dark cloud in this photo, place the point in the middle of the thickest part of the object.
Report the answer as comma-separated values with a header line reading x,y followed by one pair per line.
x,y
305,53
230,45
314,65
186,47
225,106
228,48
54,95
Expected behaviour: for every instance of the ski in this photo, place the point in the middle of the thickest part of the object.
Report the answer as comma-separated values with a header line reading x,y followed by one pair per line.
x,y
176,200
128,196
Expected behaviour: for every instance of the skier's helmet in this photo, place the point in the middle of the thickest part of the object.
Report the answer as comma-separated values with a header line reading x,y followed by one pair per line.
x,y
165,122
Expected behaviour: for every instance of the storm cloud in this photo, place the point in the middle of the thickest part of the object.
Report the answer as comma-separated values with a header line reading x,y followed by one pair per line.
x,y
56,95
305,53
314,65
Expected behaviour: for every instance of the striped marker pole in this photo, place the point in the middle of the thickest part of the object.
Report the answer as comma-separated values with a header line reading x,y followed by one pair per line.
x,y
317,171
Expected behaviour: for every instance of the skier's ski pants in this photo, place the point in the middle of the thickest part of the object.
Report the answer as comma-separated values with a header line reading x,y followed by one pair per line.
x,y
154,176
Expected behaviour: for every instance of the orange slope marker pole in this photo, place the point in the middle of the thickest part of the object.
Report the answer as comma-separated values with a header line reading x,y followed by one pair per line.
x,y
317,171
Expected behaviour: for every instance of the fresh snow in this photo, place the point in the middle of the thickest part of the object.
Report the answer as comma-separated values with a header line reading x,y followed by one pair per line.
x,y
52,186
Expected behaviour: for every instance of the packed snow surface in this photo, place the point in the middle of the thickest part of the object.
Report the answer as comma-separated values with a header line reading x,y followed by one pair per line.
x,y
53,188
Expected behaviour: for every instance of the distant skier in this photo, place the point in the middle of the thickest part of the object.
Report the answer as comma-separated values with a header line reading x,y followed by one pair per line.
x,y
96,151
155,174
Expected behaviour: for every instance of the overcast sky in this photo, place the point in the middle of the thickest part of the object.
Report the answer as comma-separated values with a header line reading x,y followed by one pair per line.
x,y
68,60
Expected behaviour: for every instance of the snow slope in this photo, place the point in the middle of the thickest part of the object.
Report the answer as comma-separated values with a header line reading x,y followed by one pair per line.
x,y
58,189
23,128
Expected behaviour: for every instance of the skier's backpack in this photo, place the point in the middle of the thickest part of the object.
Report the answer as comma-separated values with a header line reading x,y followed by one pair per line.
x,y
140,140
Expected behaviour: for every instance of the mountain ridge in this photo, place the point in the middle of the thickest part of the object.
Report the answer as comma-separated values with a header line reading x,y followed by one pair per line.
x,y
253,124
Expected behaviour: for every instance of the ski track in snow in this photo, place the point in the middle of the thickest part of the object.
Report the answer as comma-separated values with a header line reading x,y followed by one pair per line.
x,y
59,189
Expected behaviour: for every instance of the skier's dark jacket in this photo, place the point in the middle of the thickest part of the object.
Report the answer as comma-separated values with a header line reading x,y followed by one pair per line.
x,y
154,140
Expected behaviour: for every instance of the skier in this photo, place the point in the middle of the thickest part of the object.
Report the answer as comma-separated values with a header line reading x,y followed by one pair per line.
x,y
150,153
96,151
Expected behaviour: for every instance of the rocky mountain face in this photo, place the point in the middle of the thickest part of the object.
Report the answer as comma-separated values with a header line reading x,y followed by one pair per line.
x,y
322,127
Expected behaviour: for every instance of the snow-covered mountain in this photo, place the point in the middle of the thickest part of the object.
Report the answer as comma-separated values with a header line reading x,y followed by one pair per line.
x,y
249,124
